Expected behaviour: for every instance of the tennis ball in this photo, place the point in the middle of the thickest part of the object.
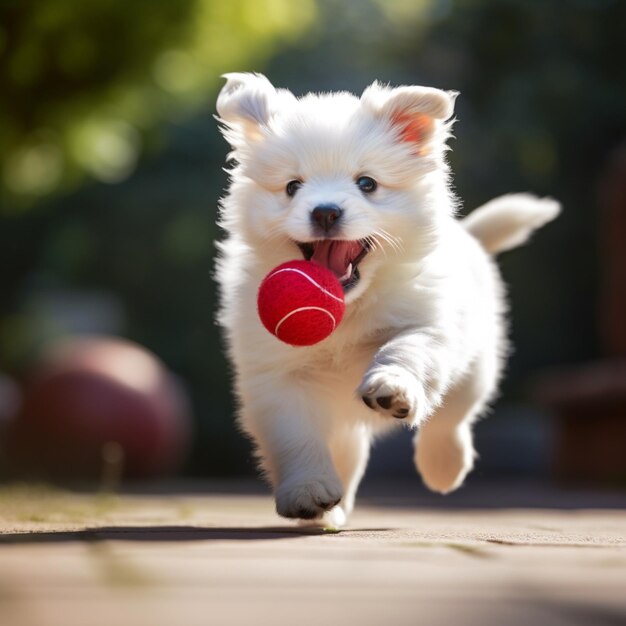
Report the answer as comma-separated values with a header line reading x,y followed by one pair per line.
x,y
300,302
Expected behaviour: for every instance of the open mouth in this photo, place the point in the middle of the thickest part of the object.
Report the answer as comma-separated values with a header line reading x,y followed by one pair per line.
x,y
339,256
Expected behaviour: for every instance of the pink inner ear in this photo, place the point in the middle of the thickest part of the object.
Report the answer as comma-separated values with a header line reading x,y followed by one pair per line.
x,y
414,129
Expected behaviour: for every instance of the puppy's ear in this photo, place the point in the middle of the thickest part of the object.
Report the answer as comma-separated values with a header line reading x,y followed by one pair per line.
x,y
245,105
414,113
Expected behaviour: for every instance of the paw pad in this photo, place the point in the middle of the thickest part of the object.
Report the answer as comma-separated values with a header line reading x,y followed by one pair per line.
x,y
385,401
390,393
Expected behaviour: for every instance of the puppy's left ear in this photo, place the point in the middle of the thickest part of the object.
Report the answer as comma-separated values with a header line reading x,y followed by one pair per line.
x,y
245,105
416,114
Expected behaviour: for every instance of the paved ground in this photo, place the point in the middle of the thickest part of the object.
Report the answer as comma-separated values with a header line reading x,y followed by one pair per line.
x,y
227,559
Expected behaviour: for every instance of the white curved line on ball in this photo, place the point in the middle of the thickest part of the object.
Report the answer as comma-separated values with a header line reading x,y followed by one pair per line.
x,y
305,308
293,269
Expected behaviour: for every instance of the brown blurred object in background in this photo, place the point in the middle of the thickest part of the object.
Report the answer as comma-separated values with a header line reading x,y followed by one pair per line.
x,y
99,409
612,313
589,401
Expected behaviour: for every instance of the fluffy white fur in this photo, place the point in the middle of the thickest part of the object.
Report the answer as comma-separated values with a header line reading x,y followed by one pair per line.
x,y
424,327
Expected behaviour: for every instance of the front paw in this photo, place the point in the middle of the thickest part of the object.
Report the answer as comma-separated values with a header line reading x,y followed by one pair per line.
x,y
391,391
308,499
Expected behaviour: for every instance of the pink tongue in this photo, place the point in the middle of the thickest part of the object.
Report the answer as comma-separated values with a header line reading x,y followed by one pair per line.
x,y
336,255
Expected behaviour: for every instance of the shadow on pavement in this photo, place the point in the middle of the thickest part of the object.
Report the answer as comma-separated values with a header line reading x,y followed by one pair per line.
x,y
168,533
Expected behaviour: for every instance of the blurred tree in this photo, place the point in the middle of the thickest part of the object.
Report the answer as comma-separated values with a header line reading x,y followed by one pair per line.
x,y
84,84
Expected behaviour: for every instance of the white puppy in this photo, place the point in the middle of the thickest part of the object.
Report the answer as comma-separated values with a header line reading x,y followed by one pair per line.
x,y
360,185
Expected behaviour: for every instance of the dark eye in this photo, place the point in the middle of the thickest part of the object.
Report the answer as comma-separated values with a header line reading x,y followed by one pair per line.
x,y
366,184
292,187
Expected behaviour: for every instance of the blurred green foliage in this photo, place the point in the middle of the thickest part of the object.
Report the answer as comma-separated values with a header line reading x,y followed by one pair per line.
x,y
542,106
83,84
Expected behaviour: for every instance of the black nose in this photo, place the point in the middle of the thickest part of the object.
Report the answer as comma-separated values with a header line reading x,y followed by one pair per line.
x,y
326,216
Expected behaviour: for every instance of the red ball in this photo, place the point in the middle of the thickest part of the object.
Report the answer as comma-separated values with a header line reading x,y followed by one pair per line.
x,y
301,302
89,398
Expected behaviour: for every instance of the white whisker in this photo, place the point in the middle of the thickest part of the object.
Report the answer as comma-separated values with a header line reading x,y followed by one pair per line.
x,y
385,239
394,242
376,245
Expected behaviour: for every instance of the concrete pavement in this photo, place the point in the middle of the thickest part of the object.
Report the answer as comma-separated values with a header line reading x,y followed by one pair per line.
x,y
193,558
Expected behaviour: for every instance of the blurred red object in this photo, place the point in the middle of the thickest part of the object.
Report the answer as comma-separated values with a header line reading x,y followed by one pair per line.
x,y
99,408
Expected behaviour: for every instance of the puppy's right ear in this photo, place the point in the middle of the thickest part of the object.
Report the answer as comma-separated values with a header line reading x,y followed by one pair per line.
x,y
245,105
416,114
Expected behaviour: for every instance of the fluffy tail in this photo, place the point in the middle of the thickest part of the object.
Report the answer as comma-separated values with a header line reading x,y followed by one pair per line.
x,y
508,221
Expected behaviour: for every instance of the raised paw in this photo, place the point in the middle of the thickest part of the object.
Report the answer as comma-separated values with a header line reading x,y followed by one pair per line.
x,y
390,391
308,499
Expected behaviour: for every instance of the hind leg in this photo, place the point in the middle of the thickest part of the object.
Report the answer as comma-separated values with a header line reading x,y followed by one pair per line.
x,y
349,448
444,450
